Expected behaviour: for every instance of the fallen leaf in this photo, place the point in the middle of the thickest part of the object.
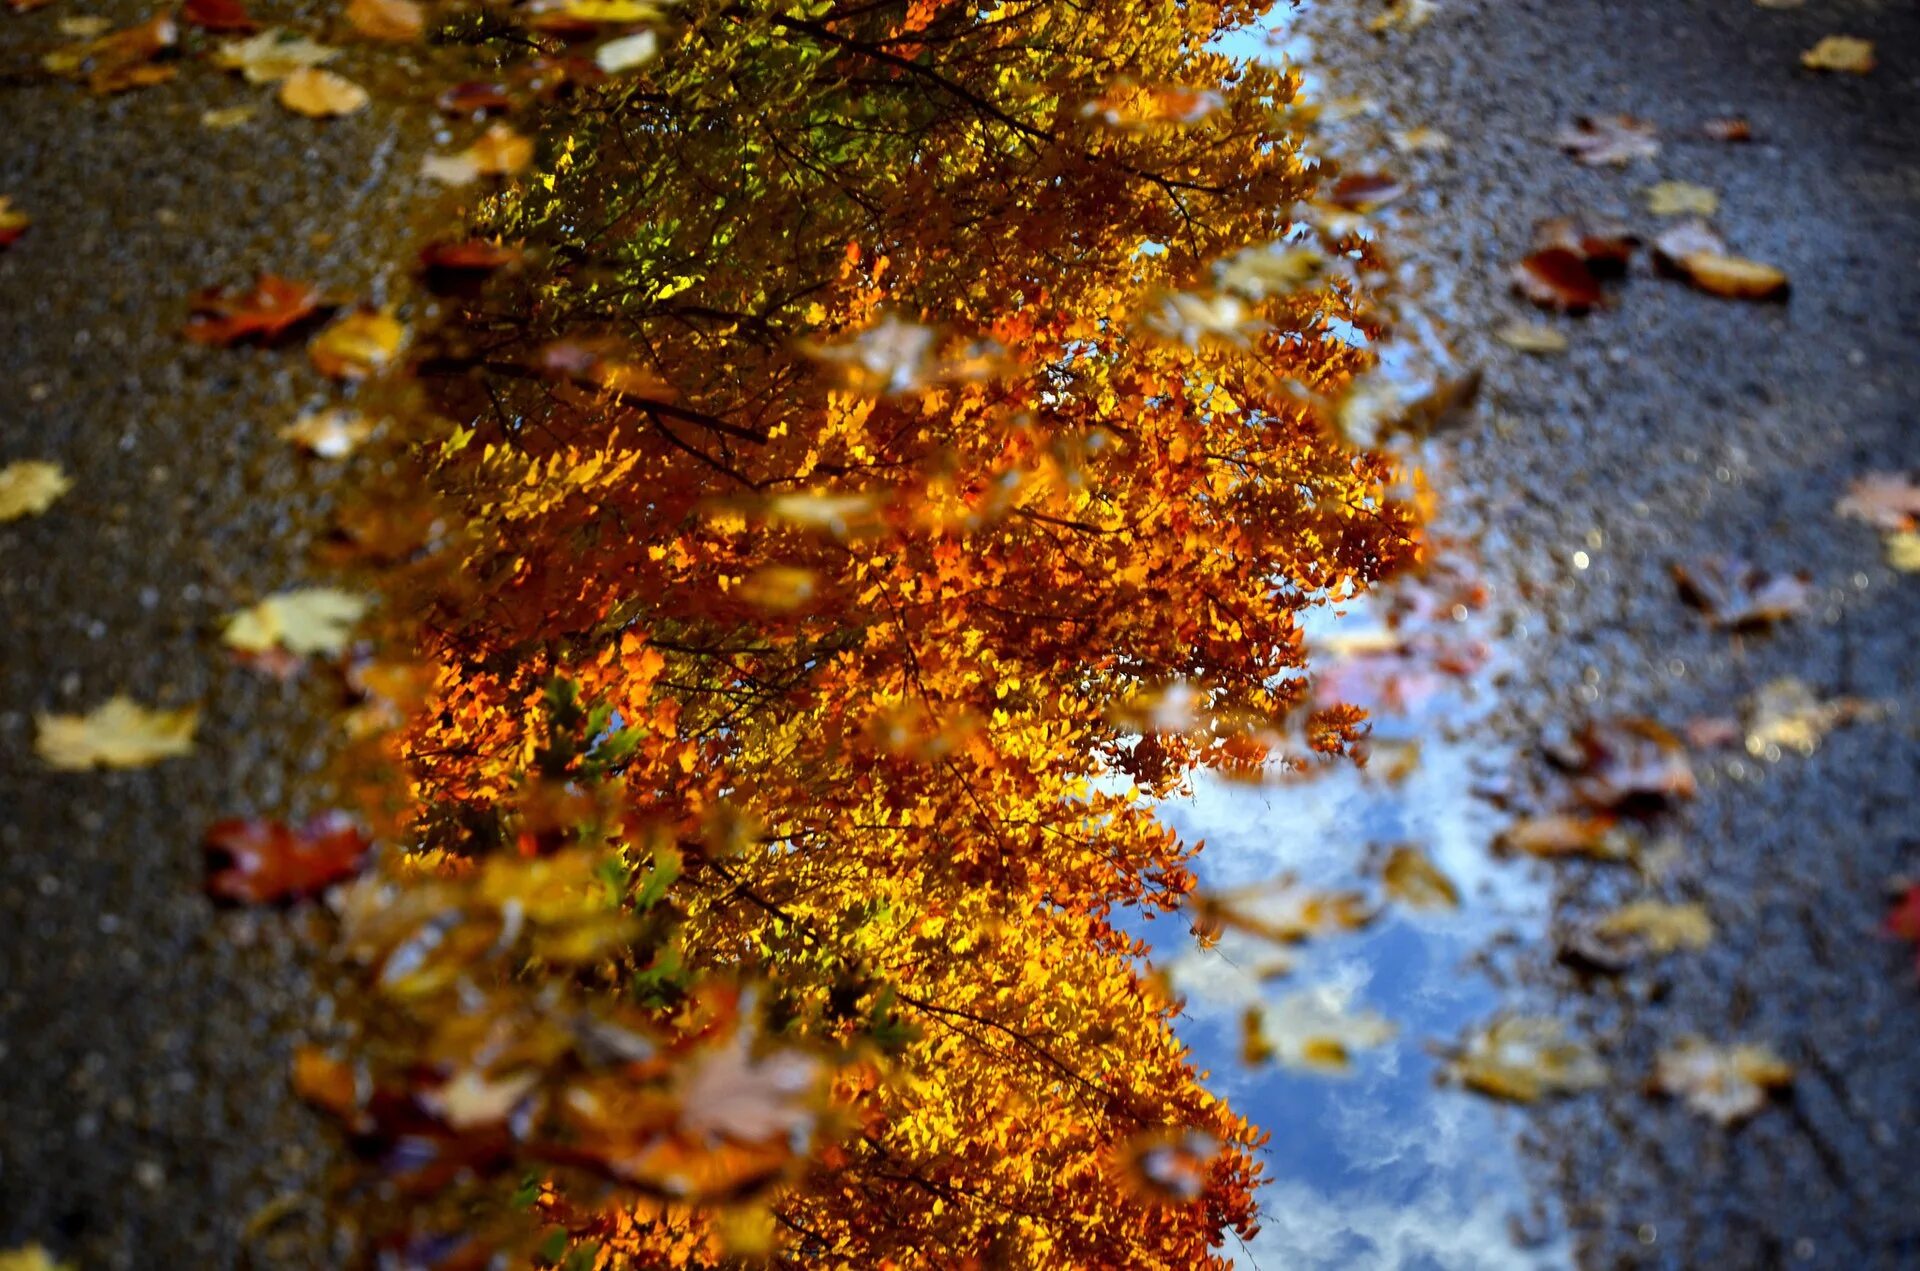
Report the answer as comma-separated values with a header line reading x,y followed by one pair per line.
x,y
1734,277
274,306
500,151
1556,278
310,620
30,1257
229,117
1735,594
1420,141
358,344
1903,921
1841,53
13,222
1624,761
1612,139
1884,500
1726,1083
1315,1030
1688,238
627,52
1903,551
471,1099
1283,911
474,97
1604,244
1532,337
1364,191
120,61
470,255
1522,1058
29,487
329,434
271,55
1730,129
84,27
320,94
1710,732
257,861
1565,834
119,733
1681,198
226,17
399,21
1416,882
1402,15
1657,927
1786,715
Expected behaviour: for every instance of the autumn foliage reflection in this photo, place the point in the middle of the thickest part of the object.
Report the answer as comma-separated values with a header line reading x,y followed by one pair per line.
x,y
892,408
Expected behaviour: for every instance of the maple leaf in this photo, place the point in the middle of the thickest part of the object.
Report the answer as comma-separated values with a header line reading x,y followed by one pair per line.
x,y
1615,140
1884,500
329,434
13,222
29,487
256,861
397,21
312,620
1735,594
1522,1059
225,17
119,733
1729,1084
274,307
358,344
1415,881
272,55
320,94
1842,53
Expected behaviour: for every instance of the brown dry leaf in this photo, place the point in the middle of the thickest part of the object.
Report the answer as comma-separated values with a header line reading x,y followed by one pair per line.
x,y
13,222
1727,1083
1522,1058
1532,337
309,620
227,17
1556,278
1283,911
1734,594
1417,882
1613,139
1884,500
120,61
271,55
734,1097
358,345
1564,834
29,487
1364,191
1842,53
1315,1030
1731,129
400,21
1630,760
257,862
119,733
500,151
1734,277
274,307
329,434
1605,243
320,94
1657,927
1681,198
1787,715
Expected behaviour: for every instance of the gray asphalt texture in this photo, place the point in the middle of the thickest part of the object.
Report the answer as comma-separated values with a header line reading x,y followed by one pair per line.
x,y
1680,426
145,1115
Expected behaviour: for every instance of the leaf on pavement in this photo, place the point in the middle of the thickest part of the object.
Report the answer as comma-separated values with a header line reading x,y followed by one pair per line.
x,y
257,861
13,222
274,306
1532,337
1560,835
500,151
1903,551
120,61
119,733
1522,1059
320,94
1787,715
1734,277
1735,594
1420,141
1726,1083
329,434
1417,882
311,620
1681,198
1843,53
397,21
271,55
29,487
1657,927
225,17
1559,279
1614,140
358,344
1625,761
1884,500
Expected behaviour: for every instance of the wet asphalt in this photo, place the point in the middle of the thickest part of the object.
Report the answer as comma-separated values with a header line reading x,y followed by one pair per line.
x,y
145,1116
1680,426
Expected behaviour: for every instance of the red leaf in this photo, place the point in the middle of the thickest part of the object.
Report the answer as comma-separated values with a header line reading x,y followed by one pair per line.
x,y
1731,129
1360,190
1558,279
219,15
257,861
473,255
1903,920
272,308
474,96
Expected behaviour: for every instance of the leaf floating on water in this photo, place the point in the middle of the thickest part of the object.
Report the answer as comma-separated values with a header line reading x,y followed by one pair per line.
x,y
271,55
320,94
269,311
1550,837
1734,594
260,861
499,152
1726,1083
1276,270
739,1098
1657,927
1314,1030
1624,761
358,345
1615,140
119,733
13,222
1417,882
1364,191
311,620
1681,198
1532,337
329,434
1843,53
395,21
1284,911
1523,1059
29,487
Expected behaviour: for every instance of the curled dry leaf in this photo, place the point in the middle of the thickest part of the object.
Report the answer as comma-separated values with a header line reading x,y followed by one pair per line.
x,y
627,53
1559,279
1730,129
1842,53
259,861
398,21
358,345
1612,139
1606,244
1417,882
500,151
224,17
310,620
29,487
272,55
1315,1030
1625,761
1363,191
13,222
119,733
1734,277
1727,1083
1532,337
1884,500
1734,594
329,434
273,307
1549,837
1522,1059
320,94
1681,198
120,61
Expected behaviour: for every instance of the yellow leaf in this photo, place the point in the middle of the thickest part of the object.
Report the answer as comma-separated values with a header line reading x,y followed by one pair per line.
x,y
320,94
398,21
29,487
119,733
330,434
1903,550
358,344
308,621
1522,1058
1658,926
1681,198
1840,53
271,55
1415,881
1532,337
1727,1083
30,1258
